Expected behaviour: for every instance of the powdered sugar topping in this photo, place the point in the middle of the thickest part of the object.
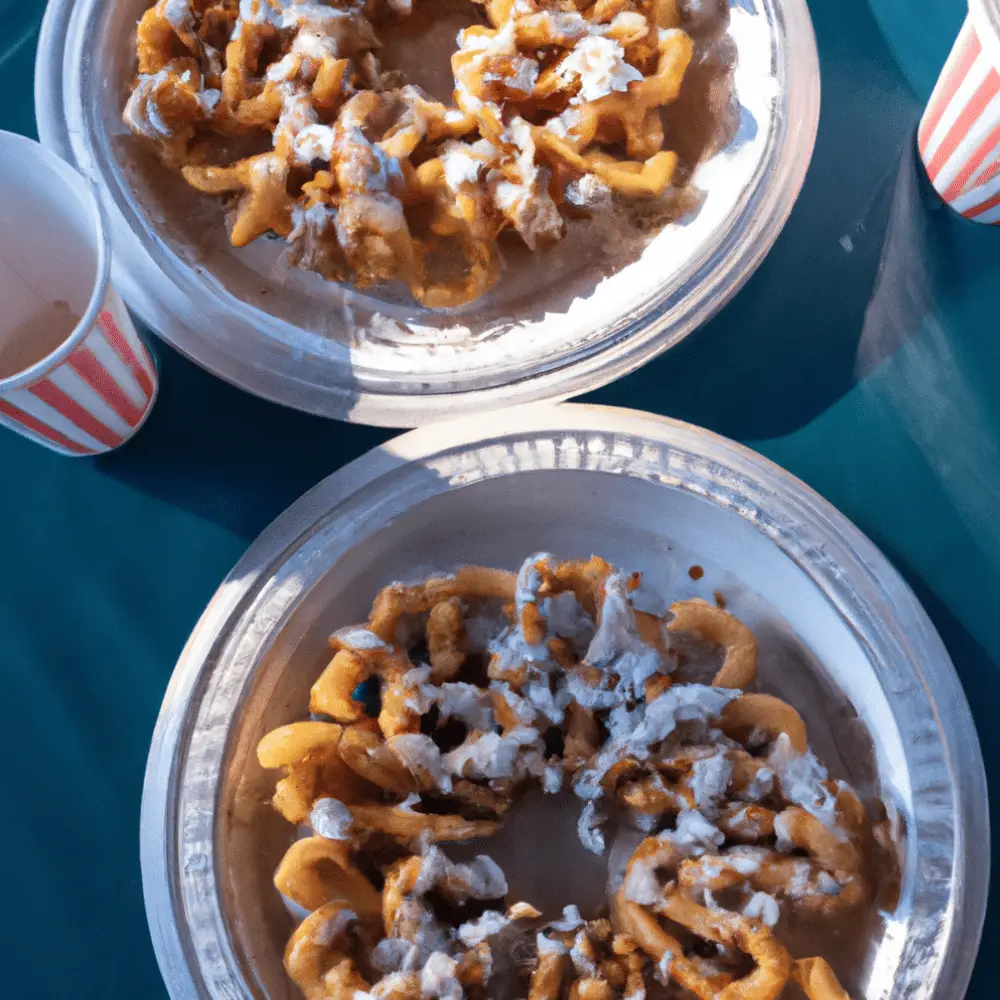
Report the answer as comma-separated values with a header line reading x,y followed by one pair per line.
x,y
599,65
330,818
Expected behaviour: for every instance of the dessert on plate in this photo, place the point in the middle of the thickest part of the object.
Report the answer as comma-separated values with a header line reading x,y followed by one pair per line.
x,y
727,836
285,110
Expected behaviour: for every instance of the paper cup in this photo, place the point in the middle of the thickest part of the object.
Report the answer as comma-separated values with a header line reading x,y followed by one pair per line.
x,y
959,135
74,374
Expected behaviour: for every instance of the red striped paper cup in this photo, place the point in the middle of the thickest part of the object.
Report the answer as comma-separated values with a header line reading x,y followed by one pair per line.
x,y
81,388
959,134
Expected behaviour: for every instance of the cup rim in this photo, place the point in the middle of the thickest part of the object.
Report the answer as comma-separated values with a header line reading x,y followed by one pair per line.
x,y
84,189
985,15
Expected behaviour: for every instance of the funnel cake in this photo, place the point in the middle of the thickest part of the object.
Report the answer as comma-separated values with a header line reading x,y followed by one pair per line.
x,y
462,691
556,114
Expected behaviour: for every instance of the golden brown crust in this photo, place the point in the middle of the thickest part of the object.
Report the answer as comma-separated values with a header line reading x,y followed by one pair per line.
x,y
712,625
818,980
766,714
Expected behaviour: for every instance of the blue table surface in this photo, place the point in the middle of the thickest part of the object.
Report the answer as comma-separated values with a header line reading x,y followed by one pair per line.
x,y
868,366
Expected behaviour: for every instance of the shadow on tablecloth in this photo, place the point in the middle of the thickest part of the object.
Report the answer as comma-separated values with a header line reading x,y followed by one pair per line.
x,y
227,456
784,349
932,310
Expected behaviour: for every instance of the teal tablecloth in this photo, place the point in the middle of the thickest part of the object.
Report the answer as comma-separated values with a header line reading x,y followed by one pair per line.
x,y
864,356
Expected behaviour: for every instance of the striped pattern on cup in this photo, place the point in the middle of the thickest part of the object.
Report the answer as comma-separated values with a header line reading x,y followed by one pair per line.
x,y
97,397
959,134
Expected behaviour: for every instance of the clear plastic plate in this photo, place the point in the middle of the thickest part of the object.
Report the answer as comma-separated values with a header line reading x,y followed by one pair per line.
x,y
841,636
575,318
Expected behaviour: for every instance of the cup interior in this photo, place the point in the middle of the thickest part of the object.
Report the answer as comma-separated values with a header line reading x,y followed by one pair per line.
x,y
50,256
